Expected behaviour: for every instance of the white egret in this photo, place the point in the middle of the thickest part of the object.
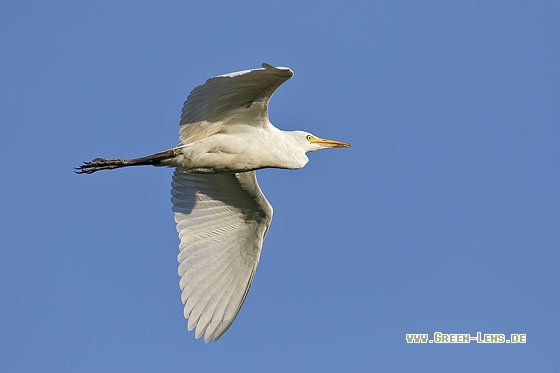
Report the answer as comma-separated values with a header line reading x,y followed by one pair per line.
x,y
222,216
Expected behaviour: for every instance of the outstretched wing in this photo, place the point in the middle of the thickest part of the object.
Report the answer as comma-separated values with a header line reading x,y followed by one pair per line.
x,y
236,98
222,220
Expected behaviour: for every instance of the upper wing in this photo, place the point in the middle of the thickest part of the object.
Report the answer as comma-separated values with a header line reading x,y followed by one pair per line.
x,y
240,97
222,220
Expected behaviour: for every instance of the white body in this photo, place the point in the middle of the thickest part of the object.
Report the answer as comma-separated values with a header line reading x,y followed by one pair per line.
x,y
223,152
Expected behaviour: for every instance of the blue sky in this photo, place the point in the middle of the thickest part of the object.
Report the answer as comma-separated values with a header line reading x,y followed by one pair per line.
x,y
444,216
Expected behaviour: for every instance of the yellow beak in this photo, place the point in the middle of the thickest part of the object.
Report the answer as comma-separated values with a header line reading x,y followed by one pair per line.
x,y
329,143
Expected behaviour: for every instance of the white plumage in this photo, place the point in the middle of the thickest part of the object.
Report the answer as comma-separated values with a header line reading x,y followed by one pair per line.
x,y
221,214
222,220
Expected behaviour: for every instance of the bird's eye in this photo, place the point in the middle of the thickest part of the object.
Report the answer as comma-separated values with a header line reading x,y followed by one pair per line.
x,y
308,137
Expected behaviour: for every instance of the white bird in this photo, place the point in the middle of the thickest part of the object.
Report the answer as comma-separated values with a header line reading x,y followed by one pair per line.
x,y
222,216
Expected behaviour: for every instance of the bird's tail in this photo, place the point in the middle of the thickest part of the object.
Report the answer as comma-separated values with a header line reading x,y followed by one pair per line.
x,y
109,164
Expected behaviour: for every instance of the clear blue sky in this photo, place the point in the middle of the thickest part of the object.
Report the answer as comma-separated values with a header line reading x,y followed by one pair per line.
x,y
444,216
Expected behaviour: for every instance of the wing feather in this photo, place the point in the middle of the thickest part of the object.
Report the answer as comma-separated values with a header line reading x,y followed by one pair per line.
x,y
222,220
236,98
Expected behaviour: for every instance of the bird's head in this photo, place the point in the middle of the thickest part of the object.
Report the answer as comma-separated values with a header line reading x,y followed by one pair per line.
x,y
310,142
298,143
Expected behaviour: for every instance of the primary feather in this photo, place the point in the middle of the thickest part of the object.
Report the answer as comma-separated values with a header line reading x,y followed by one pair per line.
x,y
222,220
240,97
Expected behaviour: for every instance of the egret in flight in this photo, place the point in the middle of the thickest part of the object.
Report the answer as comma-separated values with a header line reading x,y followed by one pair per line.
x,y
221,213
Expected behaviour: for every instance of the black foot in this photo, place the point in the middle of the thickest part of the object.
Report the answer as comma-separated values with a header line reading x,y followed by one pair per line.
x,y
99,164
